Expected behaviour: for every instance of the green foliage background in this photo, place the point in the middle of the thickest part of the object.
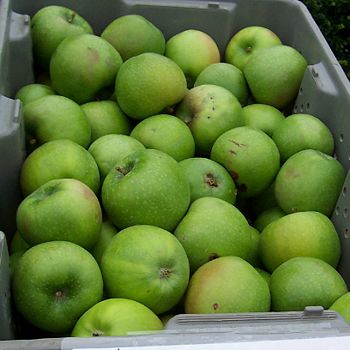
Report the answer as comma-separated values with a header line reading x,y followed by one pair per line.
x,y
333,18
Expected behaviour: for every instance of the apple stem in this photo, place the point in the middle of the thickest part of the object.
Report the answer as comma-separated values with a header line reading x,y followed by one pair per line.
x,y
164,272
122,170
211,181
97,333
215,306
248,49
71,17
59,294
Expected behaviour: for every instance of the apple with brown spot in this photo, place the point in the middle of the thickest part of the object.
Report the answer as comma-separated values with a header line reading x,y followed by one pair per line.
x,y
251,157
208,179
209,111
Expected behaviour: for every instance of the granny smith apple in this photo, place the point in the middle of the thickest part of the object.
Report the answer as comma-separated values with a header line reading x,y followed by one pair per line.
x,y
55,160
306,233
227,76
302,131
133,35
274,75
18,244
60,210
250,156
254,252
166,133
342,306
106,117
111,149
32,92
147,264
264,274
54,283
101,321
227,285
147,187
82,65
108,231
247,42
309,181
193,50
209,111
14,258
208,179
267,216
213,228
263,117
305,281
55,117
49,26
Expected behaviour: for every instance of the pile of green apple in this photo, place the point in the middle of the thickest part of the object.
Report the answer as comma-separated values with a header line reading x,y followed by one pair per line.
x,y
161,180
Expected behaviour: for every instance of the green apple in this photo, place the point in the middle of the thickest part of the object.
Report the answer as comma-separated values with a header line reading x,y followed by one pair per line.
x,y
208,179
213,228
166,133
60,210
54,283
132,35
274,75
17,248
193,50
111,149
101,321
227,76
254,252
263,117
55,117
302,131
264,274
250,156
55,160
106,117
309,181
146,188
342,306
299,234
227,285
14,258
108,231
209,111
247,42
147,264
267,216
49,26
18,244
32,92
82,65
305,281
147,84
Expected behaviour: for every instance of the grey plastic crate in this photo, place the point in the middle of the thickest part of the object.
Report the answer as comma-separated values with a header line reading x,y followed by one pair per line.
x,y
325,93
